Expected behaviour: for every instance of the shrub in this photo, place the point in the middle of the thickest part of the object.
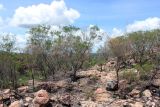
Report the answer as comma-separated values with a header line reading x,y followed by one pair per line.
x,y
144,70
130,75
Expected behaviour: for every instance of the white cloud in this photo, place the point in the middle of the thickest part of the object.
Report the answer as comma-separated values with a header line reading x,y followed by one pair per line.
x,y
116,32
143,25
56,13
1,6
147,24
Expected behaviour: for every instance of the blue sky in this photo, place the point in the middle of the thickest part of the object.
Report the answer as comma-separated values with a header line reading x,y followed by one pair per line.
x,y
113,16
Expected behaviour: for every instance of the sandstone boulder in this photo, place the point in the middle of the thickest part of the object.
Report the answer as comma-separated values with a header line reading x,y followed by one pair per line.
x,y
41,97
138,104
23,89
28,99
16,104
6,91
135,93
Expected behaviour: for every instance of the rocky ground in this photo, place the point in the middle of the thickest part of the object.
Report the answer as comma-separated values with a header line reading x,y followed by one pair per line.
x,y
92,89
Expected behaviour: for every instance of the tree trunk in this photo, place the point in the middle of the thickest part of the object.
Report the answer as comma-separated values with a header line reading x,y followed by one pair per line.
x,y
32,79
117,70
101,67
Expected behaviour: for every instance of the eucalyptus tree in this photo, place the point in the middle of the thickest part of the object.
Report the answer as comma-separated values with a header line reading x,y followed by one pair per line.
x,y
7,42
120,49
77,46
8,72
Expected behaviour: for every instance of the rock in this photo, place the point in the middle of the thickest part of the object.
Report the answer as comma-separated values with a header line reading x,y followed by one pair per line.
x,y
101,95
135,93
23,89
36,105
90,104
6,96
100,90
41,97
65,99
150,104
117,103
53,98
156,82
123,84
1,105
147,93
58,105
6,101
111,85
107,77
1,98
84,81
28,99
26,104
138,104
6,91
16,104
62,83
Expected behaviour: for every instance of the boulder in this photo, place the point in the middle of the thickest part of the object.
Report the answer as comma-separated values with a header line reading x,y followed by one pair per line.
x,y
135,93
111,85
6,101
23,89
138,104
28,99
41,97
147,93
16,104
6,91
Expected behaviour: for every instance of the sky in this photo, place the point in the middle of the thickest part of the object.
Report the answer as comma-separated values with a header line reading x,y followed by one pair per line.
x,y
113,16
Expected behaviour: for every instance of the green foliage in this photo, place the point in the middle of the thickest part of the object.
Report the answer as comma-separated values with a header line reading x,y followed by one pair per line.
x,y
130,75
7,42
144,70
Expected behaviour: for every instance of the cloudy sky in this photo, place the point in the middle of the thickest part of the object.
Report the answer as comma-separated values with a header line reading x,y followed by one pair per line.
x,y
114,16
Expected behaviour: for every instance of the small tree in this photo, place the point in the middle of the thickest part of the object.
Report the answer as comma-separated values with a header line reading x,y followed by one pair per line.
x,y
119,48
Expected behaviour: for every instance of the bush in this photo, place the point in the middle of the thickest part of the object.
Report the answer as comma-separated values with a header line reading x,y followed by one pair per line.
x,y
130,75
144,70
